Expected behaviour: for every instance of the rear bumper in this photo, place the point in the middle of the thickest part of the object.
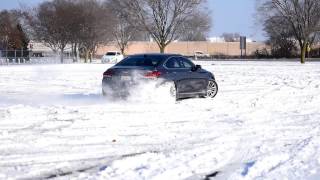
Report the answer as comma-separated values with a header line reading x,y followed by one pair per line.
x,y
116,87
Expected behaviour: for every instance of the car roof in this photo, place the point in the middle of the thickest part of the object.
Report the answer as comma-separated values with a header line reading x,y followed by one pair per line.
x,y
157,54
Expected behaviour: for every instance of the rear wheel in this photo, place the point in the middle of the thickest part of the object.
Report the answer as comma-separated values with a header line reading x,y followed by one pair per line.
x,y
104,93
173,90
212,89
167,90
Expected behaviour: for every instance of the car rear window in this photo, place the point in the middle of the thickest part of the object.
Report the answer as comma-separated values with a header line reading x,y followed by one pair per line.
x,y
152,61
111,53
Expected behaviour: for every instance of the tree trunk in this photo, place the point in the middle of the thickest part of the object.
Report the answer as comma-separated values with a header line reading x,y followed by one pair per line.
x,y
122,51
86,57
303,53
162,48
75,53
61,55
91,56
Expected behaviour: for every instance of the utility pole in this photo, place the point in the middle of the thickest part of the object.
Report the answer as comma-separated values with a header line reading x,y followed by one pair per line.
x,y
6,40
243,45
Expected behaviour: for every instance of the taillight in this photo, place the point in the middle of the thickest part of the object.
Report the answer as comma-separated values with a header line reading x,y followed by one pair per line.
x,y
152,74
108,73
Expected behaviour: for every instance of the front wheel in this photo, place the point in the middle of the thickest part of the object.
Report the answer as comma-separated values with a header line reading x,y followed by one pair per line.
x,y
212,89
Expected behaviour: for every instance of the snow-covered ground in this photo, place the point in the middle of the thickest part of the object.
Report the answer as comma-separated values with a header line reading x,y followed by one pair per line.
x,y
263,124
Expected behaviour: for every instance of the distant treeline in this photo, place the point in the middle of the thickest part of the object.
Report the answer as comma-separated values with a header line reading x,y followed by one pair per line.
x,y
86,24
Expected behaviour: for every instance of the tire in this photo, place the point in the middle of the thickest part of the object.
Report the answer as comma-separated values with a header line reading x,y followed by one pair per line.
x,y
173,91
167,90
212,89
104,93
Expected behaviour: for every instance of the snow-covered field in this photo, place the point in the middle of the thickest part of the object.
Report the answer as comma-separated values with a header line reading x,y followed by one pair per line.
x,y
263,124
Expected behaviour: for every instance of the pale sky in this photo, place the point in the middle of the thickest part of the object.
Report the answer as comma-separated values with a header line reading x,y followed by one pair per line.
x,y
231,16
235,16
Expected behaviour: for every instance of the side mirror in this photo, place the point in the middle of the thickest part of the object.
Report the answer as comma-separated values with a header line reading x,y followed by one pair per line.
x,y
196,67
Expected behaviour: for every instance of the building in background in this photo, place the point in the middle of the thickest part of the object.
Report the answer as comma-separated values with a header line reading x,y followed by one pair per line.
x,y
38,49
218,48
215,47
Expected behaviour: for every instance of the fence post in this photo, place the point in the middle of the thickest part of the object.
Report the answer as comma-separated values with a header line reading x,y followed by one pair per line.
x,y
15,56
7,56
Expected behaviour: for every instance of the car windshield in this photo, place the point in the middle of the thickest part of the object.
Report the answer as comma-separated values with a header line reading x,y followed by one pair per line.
x,y
151,61
111,53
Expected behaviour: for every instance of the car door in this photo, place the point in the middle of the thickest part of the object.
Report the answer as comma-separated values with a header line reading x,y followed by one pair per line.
x,y
177,73
197,79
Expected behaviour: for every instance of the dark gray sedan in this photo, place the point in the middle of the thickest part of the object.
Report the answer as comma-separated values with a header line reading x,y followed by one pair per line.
x,y
186,78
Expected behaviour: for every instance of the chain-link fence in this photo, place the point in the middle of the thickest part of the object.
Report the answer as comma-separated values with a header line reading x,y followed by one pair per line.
x,y
30,57
14,56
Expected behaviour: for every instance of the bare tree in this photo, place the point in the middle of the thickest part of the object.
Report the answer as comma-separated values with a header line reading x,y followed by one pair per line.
x,y
302,17
123,34
280,37
51,24
162,19
76,19
231,37
197,26
97,27
82,23
12,35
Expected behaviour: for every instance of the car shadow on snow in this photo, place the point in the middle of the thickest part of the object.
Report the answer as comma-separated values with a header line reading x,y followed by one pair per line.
x,y
53,99
83,98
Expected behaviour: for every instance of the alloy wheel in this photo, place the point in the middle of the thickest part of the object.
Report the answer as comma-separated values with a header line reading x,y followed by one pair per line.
x,y
212,89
